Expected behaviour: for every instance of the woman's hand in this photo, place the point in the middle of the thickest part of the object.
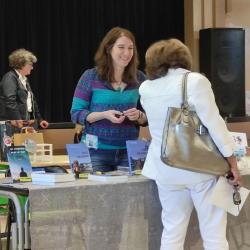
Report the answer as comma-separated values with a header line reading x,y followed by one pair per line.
x,y
132,114
17,123
29,122
44,124
137,115
114,116
236,180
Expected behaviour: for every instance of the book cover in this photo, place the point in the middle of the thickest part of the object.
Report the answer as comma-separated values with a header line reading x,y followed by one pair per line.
x,y
19,162
79,159
137,152
40,178
240,140
108,176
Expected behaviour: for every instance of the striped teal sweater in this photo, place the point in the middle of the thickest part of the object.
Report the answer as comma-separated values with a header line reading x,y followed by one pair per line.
x,y
94,95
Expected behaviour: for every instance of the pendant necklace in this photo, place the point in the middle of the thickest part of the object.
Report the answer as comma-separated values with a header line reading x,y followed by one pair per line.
x,y
119,87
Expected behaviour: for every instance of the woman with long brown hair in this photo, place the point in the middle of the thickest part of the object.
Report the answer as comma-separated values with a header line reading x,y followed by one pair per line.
x,y
106,98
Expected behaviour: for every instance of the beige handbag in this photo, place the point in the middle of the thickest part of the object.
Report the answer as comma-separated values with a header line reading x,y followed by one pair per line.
x,y
186,143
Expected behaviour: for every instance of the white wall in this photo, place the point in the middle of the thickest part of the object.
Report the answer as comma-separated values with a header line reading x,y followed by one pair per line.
x,y
239,16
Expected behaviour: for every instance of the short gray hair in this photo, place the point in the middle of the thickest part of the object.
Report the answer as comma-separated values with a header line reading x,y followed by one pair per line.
x,y
20,57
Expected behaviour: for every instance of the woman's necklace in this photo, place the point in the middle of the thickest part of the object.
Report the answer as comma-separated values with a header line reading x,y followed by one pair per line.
x,y
118,86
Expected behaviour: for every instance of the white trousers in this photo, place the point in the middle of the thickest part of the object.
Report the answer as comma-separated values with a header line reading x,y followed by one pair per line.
x,y
177,204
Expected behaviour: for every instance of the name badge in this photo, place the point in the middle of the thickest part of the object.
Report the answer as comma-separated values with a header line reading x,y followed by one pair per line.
x,y
91,141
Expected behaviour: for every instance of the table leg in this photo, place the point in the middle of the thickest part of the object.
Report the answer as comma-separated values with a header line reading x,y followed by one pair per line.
x,y
27,243
19,218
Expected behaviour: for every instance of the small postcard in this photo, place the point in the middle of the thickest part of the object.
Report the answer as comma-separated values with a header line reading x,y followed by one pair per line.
x,y
222,196
241,143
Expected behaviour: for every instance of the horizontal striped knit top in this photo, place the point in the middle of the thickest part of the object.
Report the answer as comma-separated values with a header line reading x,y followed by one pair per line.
x,y
95,95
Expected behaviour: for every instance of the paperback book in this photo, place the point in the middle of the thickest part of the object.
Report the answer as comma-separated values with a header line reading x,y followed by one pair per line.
x,y
79,159
108,176
137,152
19,163
51,178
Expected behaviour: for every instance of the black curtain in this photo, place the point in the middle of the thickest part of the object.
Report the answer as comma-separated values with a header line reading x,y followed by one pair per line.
x,y
65,34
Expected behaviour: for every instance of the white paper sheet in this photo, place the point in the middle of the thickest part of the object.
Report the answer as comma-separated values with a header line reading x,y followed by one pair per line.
x,y
222,196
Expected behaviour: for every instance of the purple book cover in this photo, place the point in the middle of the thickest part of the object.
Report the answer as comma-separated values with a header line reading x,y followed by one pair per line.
x,y
79,158
137,152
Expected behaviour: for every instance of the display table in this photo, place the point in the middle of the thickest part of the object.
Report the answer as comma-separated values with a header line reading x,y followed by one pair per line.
x,y
91,215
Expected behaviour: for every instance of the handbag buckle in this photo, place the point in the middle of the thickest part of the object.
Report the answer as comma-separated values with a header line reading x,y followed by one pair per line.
x,y
202,130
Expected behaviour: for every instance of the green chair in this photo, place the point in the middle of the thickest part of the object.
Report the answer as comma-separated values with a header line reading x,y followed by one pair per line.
x,y
3,201
6,208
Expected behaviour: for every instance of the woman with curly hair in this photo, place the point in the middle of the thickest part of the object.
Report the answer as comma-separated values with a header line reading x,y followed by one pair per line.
x,y
17,101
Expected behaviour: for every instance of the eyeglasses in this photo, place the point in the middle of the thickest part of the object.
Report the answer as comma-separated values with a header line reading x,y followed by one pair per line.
x,y
236,193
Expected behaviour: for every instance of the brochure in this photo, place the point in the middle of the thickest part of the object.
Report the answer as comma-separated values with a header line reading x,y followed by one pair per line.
x,y
19,162
137,152
222,196
79,159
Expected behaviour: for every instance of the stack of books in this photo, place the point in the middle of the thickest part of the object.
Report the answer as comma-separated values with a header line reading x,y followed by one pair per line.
x,y
108,176
51,178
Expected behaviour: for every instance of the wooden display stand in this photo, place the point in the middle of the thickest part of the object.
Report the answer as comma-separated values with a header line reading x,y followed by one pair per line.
x,y
43,153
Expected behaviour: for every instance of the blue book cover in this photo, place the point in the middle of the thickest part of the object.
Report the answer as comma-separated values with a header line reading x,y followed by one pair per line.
x,y
79,159
19,162
137,152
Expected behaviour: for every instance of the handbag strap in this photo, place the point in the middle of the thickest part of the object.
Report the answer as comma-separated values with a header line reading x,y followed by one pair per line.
x,y
184,104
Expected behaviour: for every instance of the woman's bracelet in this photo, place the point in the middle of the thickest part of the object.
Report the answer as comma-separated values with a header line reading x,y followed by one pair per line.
x,y
140,115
